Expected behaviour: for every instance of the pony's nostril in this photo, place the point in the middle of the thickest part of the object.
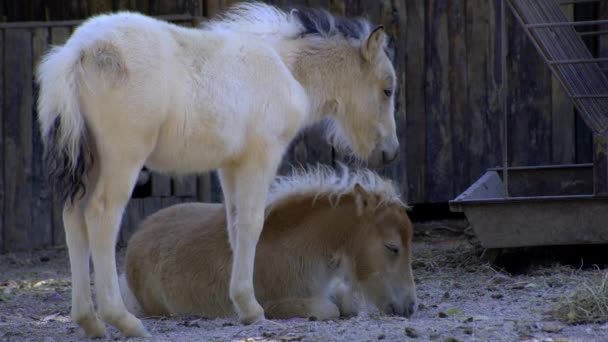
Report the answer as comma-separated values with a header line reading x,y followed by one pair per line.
x,y
388,157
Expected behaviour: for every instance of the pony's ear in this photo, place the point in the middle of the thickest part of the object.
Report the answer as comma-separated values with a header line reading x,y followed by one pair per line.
x,y
374,44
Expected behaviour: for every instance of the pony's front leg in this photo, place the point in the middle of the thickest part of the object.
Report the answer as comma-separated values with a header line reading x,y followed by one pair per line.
x,y
249,199
344,298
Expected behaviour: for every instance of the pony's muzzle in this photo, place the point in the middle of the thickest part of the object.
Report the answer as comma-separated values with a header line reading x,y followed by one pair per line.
x,y
405,309
384,154
389,157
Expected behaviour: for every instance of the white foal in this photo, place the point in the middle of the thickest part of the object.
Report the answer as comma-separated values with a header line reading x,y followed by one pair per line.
x,y
127,91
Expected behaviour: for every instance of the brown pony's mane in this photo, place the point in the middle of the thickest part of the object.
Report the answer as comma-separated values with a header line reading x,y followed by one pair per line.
x,y
325,182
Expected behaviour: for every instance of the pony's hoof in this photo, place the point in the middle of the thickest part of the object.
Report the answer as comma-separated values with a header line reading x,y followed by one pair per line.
x,y
93,328
136,329
271,324
255,317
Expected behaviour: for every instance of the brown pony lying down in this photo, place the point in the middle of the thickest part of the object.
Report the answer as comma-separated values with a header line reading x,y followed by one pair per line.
x,y
331,246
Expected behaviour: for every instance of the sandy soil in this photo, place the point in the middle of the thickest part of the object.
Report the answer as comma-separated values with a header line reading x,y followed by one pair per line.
x,y
461,298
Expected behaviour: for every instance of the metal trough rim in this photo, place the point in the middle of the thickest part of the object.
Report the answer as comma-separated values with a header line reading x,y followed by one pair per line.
x,y
520,199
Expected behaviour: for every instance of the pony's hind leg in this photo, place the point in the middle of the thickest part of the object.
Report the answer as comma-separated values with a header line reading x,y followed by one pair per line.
x,y
83,312
103,215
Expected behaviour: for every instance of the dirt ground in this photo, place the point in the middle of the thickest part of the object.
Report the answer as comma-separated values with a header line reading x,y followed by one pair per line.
x,y
462,298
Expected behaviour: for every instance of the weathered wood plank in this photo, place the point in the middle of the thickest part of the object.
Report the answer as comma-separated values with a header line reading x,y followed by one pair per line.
x,y
170,6
600,165
437,106
211,8
126,5
194,7
3,247
216,192
529,101
184,186
352,7
396,26
14,11
19,232
563,118
130,219
337,6
59,35
375,11
584,137
161,185
205,188
458,85
36,9
99,6
143,6
324,4
166,202
150,206
228,3
603,15
42,204
484,97
415,142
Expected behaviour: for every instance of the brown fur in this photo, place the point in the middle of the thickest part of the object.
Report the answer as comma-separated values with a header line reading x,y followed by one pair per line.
x,y
312,257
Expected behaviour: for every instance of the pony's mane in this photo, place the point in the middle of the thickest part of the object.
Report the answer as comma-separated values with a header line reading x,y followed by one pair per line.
x,y
271,22
323,181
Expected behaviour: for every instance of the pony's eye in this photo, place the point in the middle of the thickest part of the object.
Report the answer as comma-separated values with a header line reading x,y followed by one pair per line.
x,y
388,92
392,248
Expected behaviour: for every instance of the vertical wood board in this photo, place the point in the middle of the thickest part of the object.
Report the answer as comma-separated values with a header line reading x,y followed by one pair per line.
x,y
42,205
17,116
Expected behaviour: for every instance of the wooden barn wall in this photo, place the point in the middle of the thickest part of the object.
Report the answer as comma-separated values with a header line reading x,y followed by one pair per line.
x,y
449,119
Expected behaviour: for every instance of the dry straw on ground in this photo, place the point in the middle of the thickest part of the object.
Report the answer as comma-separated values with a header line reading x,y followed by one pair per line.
x,y
588,303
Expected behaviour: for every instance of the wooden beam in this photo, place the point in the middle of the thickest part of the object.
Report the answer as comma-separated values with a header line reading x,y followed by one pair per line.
x,y
600,164
71,23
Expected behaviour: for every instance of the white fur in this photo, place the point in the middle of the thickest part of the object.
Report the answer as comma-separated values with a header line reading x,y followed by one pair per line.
x,y
230,96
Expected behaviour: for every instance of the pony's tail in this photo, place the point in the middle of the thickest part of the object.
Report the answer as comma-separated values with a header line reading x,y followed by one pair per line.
x,y
128,297
67,153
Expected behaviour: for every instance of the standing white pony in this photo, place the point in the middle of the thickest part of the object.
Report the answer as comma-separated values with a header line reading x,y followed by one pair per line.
x,y
127,91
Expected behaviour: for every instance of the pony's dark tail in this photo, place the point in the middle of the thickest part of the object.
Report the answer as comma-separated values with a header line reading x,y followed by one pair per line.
x,y
68,152
66,175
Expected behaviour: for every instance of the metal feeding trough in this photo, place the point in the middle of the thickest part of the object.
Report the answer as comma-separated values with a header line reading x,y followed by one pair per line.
x,y
548,205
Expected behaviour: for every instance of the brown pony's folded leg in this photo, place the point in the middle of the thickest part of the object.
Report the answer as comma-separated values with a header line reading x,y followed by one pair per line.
x,y
320,308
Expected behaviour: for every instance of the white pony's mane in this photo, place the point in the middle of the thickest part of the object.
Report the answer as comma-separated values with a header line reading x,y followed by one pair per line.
x,y
270,22
324,181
